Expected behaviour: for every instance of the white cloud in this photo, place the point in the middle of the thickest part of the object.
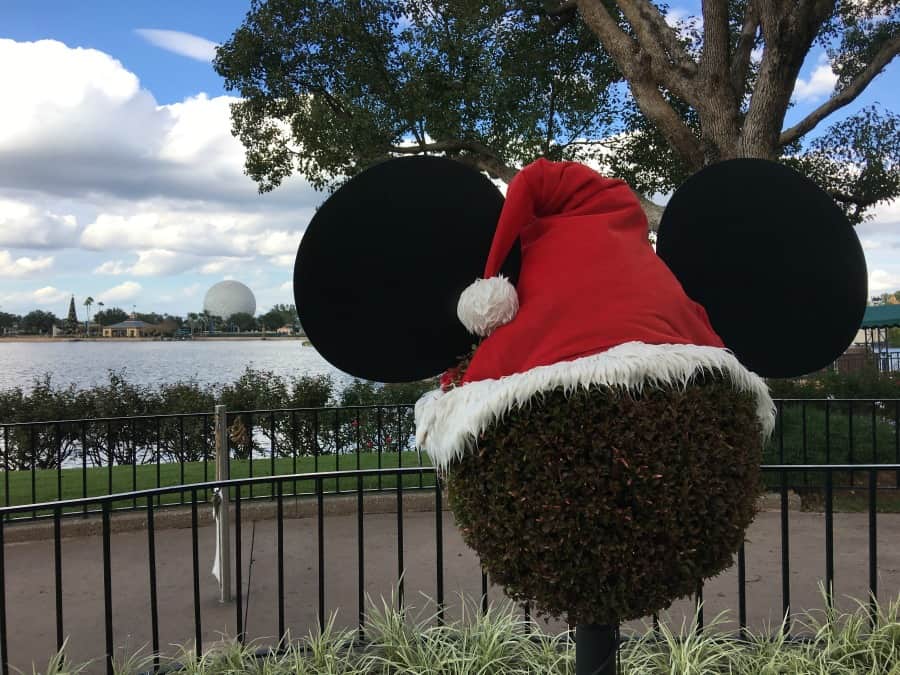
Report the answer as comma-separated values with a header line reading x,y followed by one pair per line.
x,y
81,125
201,232
90,161
187,231
124,291
286,260
112,267
184,44
220,264
24,225
22,267
157,262
25,301
214,267
49,295
151,263
882,281
818,85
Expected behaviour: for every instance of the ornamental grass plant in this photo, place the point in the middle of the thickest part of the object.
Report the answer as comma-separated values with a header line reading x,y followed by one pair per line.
x,y
501,642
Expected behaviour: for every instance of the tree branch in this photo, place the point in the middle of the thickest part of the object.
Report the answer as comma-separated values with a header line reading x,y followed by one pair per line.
x,y
559,15
479,155
675,70
740,61
643,83
788,30
714,58
885,55
550,115
555,9
481,158
664,34
456,145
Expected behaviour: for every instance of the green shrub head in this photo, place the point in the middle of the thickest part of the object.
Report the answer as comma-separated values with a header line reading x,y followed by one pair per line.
x,y
605,506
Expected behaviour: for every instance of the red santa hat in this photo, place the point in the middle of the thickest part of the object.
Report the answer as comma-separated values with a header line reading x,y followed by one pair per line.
x,y
594,306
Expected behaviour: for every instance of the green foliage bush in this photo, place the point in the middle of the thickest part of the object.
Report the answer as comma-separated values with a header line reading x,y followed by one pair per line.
x,y
605,506
867,383
500,642
306,431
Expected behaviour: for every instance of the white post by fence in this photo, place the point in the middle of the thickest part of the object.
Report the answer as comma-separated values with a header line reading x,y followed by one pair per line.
x,y
223,522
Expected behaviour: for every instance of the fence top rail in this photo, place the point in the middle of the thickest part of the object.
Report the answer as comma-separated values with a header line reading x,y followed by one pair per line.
x,y
830,468
353,473
824,399
126,418
123,418
326,409
212,485
372,406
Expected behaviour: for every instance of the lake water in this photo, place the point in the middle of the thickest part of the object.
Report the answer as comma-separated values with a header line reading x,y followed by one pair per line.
x,y
151,363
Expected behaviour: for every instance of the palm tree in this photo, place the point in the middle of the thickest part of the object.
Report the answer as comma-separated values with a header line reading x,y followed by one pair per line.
x,y
88,301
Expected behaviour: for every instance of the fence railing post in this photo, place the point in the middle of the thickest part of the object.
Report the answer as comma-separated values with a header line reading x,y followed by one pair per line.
x,y
223,529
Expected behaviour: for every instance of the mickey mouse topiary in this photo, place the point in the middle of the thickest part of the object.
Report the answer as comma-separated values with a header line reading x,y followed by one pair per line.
x,y
607,512
603,442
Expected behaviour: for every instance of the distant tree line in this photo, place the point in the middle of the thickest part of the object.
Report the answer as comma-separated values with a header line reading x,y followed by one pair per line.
x,y
305,415
40,322
137,440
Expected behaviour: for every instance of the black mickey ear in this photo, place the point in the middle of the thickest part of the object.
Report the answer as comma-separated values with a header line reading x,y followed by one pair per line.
x,y
381,266
772,259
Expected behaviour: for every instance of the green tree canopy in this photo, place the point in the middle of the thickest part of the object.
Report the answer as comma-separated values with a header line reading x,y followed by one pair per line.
x,y
280,315
8,320
329,88
242,321
38,321
107,317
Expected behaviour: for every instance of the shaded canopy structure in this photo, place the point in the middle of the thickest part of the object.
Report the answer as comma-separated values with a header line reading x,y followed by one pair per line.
x,y
881,316
875,324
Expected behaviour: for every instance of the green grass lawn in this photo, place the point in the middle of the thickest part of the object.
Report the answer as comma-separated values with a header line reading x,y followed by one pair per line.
x,y
44,485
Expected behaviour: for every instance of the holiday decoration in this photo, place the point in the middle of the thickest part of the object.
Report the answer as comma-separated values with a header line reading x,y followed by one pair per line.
x,y
602,441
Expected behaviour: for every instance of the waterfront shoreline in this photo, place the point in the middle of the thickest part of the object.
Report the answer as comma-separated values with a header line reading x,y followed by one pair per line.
x,y
196,338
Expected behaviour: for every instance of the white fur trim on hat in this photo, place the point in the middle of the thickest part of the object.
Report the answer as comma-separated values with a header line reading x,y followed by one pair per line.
x,y
447,423
487,304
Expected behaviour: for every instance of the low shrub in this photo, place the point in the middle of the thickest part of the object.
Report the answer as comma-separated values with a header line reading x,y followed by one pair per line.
x,y
501,642
867,383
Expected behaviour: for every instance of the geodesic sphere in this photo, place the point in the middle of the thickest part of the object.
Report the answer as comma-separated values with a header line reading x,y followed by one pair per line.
x,y
605,506
229,297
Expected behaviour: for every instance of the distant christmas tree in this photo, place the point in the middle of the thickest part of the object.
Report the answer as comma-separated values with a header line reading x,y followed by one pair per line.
x,y
70,325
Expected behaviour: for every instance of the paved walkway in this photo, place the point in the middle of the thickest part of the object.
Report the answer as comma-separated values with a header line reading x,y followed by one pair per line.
x,y
31,602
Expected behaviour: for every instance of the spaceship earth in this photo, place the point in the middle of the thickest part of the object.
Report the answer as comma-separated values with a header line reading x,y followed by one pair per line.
x,y
229,297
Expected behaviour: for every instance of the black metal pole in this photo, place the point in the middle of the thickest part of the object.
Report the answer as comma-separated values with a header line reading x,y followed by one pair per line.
x,y
596,647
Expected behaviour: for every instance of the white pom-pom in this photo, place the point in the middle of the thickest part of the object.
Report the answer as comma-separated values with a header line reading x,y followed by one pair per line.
x,y
487,304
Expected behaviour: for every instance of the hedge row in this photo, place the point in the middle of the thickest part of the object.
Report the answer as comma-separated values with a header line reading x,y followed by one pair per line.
x,y
188,437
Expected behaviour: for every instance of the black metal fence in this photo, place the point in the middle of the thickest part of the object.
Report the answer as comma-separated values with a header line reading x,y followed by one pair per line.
x,y
65,459
859,361
148,502
835,431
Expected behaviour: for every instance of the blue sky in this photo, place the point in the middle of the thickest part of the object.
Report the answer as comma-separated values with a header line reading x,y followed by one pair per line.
x,y
110,26
119,178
